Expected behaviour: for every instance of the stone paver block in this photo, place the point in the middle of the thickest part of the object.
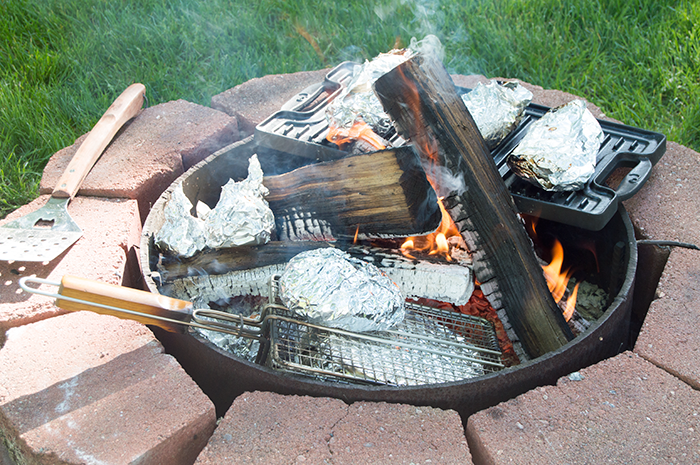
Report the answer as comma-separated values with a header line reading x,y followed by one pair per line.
x,y
150,152
255,100
110,228
668,206
88,388
624,410
380,433
670,336
267,428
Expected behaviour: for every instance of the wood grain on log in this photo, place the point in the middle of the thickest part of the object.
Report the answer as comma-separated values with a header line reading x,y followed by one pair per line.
x,y
385,193
422,100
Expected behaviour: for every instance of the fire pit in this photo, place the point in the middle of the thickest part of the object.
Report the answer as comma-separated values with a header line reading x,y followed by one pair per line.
x,y
224,376
318,193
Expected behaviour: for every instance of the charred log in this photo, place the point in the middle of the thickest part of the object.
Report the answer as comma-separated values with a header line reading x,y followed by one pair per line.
x,y
385,193
221,261
422,100
431,279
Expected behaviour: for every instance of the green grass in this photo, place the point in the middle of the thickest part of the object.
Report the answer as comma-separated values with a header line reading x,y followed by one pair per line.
x,y
63,61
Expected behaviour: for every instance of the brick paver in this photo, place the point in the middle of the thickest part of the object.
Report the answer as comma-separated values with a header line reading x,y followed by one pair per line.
x,y
624,410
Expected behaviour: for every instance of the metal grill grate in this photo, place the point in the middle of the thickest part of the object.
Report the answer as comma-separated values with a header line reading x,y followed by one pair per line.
x,y
430,346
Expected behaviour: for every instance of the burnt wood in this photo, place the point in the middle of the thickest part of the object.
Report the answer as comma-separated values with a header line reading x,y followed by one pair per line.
x,y
220,261
422,100
385,193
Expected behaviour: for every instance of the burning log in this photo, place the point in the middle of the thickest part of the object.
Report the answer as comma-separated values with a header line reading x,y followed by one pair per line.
x,y
422,100
220,261
385,193
431,278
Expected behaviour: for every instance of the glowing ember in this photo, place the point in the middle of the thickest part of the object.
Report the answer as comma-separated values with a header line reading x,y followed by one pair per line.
x,y
359,131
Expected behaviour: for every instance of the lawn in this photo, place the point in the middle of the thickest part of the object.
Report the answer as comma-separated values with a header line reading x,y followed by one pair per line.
x,y
62,62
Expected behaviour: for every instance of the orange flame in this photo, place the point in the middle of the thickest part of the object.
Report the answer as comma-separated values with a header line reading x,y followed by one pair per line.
x,y
359,131
557,280
435,243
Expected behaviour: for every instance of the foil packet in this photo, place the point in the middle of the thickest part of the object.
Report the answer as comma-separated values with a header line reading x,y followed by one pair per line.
x,y
497,108
240,217
358,102
329,287
558,152
181,233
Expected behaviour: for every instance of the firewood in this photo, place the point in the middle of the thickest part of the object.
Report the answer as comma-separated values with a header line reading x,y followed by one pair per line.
x,y
423,278
220,261
422,100
385,194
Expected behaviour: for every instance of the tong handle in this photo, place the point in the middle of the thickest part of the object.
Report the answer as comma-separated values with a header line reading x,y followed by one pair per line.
x,y
147,308
125,107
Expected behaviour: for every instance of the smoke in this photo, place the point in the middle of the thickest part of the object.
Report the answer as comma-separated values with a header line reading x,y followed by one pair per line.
x,y
431,17
428,17
429,46
443,180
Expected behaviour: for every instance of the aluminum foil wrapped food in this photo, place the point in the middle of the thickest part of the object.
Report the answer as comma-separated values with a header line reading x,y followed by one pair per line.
x,y
357,102
330,288
181,233
240,217
558,152
497,108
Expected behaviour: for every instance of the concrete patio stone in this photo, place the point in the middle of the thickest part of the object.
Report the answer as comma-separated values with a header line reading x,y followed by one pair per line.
x,y
111,227
668,206
87,388
256,99
669,337
268,428
623,410
150,152
382,433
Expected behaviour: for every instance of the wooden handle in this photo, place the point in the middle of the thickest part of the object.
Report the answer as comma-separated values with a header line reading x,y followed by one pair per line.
x,y
124,298
125,107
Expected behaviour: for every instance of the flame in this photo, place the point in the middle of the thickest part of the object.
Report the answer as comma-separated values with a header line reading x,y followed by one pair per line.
x,y
435,243
359,131
558,279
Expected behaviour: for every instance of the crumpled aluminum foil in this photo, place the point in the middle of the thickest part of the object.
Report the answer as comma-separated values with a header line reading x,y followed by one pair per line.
x,y
333,289
241,217
558,152
358,101
181,233
497,109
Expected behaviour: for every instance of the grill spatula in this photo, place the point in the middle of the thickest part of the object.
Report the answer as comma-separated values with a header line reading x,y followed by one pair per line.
x,y
43,235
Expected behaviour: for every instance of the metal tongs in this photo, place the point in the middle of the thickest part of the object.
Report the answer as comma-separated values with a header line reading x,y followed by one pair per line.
x,y
173,315
431,345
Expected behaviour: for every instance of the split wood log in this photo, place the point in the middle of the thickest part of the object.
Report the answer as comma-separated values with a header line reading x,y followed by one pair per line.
x,y
385,193
422,100
426,278
220,261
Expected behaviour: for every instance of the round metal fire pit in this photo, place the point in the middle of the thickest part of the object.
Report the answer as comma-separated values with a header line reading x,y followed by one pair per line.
x,y
223,376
